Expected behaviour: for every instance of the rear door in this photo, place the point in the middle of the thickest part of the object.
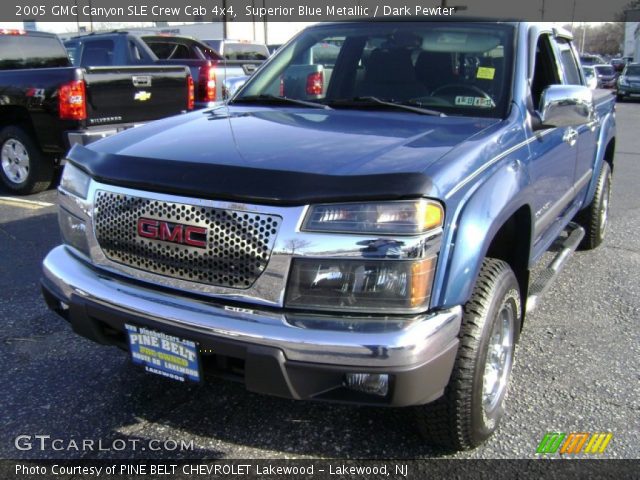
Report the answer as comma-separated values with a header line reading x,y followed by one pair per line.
x,y
135,94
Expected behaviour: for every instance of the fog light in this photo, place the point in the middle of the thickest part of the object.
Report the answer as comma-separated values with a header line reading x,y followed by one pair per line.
x,y
373,383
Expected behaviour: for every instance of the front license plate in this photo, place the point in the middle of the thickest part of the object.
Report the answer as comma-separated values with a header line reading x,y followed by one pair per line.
x,y
164,354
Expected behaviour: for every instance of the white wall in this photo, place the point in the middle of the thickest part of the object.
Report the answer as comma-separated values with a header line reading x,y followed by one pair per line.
x,y
630,39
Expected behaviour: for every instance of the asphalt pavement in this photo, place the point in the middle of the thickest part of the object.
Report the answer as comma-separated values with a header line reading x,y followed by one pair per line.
x,y
576,369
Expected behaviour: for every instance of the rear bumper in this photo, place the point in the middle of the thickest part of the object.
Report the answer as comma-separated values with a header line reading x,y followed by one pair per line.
x,y
87,136
299,357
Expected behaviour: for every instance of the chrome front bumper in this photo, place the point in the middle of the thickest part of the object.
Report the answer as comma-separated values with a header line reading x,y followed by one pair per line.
x,y
374,342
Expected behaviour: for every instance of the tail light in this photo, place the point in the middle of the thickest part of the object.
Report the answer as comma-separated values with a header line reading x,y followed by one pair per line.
x,y
72,101
207,79
315,83
191,99
12,31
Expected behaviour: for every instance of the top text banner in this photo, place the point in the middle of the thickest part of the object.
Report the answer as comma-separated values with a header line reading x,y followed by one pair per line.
x,y
305,10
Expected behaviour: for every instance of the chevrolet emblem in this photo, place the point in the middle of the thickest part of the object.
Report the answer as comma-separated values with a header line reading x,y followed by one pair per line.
x,y
142,96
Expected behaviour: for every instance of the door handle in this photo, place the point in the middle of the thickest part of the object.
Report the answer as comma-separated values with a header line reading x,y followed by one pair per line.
x,y
570,136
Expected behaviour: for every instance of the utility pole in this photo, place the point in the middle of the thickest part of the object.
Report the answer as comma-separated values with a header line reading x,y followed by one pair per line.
x,y
542,11
264,23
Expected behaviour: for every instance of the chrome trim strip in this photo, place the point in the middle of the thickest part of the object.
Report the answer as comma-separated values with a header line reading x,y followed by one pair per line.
x,y
494,160
376,342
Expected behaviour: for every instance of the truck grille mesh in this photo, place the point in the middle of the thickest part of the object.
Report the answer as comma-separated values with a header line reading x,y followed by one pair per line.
x,y
237,249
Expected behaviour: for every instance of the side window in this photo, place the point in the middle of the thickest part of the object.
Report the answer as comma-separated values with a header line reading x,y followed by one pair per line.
x,y
97,53
545,72
136,56
168,50
569,64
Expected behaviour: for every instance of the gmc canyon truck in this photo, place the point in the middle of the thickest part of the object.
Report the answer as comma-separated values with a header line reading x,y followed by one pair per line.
x,y
373,244
215,78
47,105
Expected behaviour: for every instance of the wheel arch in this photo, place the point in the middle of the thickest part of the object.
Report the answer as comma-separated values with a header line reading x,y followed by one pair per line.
x,y
490,225
12,115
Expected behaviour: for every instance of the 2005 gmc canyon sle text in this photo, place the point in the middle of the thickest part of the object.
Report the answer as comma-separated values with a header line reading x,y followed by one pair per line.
x,y
368,242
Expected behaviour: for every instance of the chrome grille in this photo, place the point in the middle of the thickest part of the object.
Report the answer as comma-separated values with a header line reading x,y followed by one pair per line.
x,y
237,249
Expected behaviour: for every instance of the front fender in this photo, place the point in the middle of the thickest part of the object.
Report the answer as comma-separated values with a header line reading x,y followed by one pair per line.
x,y
479,216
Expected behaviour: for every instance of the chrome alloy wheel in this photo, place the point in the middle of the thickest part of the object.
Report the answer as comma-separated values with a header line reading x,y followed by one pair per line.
x,y
15,161
604,211
499,359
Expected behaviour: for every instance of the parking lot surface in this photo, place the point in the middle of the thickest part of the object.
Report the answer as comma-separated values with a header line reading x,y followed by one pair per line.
x,y
576,369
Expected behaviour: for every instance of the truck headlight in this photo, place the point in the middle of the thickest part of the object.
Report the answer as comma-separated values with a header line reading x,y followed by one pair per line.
x,y
623,81
406,217
75,181
399,286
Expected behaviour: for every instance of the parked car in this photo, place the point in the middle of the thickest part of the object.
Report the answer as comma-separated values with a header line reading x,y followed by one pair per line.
x,y
590,76
47,104
618,64
212,75
374,244
629,82
606,76
588,59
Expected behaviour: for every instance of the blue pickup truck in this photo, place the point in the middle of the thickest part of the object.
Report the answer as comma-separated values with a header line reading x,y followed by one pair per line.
x,y
370,240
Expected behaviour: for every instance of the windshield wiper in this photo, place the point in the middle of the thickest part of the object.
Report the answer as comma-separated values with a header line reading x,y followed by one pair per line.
x,y
415,107
273,99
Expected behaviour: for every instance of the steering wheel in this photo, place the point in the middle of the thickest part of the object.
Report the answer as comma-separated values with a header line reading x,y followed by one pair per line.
x,y
460,87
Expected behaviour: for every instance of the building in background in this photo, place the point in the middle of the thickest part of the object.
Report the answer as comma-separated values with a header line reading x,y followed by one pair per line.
x,y
632,34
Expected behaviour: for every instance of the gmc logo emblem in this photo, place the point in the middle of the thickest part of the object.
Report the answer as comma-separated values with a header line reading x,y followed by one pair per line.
x,y
172,232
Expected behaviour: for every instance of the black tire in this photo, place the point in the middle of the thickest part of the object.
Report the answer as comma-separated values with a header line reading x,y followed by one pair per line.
x,y
620,98
595,217
16,145
459,420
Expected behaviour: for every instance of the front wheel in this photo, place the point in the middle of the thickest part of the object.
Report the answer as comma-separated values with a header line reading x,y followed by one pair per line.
x,y
473,403
24,169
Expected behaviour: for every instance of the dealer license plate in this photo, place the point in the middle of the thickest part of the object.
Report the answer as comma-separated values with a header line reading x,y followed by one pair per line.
x,y
164,354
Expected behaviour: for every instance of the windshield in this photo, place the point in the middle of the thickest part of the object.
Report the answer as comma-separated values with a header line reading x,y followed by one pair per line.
x,y
455,68
635,71
588,72
31,51
604,70
245,51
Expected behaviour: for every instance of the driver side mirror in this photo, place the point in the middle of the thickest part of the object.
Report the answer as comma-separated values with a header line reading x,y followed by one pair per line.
x,y
565,106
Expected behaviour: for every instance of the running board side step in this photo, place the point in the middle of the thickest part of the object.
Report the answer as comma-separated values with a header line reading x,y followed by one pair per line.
x,y
565,247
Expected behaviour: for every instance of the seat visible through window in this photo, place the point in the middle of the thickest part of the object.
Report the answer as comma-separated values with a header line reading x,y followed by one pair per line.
x,y
390,74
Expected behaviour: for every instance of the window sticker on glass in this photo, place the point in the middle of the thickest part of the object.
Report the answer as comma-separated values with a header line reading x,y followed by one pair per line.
x,y
481,102
486,73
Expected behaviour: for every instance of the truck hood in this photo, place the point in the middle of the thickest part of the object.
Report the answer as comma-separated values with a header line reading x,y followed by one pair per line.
x,y
285,155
